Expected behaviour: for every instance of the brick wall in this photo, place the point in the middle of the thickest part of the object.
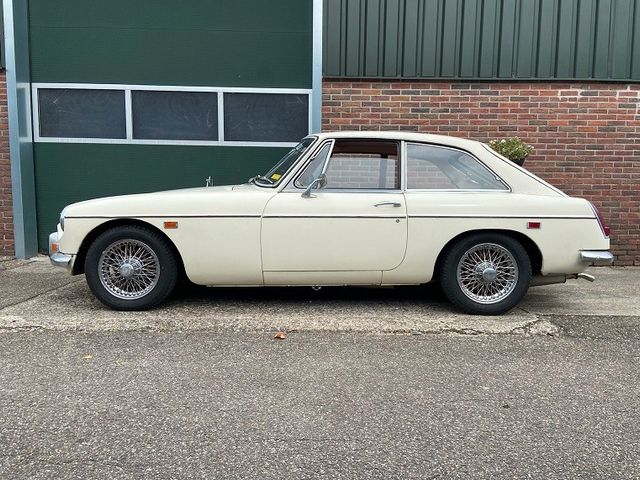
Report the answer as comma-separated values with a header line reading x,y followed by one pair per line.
x,y
6,213
586,135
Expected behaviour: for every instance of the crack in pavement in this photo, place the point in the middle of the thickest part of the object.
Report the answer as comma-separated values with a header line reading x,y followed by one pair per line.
x,y
540,326
549,329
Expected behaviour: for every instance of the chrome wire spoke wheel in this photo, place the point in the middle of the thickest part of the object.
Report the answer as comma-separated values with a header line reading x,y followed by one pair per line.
x,y
128,269
487,273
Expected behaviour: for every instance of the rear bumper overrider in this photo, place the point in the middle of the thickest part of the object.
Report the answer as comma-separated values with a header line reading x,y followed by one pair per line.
x,y
596,257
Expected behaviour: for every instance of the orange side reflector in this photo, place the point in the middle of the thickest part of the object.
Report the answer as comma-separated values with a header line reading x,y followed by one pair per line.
x,y
54,248
170,225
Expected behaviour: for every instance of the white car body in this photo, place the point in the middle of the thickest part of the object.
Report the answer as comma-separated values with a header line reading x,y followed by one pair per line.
x,y
255,235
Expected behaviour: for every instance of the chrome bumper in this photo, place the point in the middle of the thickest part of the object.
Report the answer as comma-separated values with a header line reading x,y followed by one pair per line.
x,y
596,257
57,258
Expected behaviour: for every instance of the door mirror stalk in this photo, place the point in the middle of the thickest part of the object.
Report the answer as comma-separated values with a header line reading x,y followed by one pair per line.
x,y
319,182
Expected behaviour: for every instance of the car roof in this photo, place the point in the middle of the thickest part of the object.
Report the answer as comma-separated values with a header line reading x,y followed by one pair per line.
x,y
399,135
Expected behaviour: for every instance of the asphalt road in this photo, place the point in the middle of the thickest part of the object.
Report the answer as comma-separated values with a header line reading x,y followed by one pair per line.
x,y
318,405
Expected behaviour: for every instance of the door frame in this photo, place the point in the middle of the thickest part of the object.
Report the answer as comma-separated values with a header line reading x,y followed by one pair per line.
x,y
279,277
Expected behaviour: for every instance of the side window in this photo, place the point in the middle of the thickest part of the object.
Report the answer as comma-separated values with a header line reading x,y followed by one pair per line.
x,y
435,168
363,164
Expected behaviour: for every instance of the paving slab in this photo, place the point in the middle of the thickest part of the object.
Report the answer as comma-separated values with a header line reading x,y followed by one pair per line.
x,y
616,291
39,296
21,280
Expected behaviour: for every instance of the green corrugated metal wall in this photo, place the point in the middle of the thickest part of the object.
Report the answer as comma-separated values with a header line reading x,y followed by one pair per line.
x,y
483,39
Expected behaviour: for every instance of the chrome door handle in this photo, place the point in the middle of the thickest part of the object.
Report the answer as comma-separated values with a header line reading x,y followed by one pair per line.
x,y
390,204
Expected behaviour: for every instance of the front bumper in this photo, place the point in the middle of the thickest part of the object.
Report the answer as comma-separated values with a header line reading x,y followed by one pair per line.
x,y
57,258
596,257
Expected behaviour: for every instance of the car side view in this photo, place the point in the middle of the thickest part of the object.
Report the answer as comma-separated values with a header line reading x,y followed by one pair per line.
x,y
348,208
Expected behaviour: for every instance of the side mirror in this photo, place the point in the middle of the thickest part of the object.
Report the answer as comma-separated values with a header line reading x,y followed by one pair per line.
x,y
319,182
323,180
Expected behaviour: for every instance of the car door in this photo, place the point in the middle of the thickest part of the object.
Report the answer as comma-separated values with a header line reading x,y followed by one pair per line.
x,y
348,231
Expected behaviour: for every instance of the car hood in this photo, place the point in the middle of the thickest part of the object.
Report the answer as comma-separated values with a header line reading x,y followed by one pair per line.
x,y
229,200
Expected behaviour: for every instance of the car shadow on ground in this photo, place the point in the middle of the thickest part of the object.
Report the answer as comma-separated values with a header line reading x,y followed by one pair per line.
x,y
191,293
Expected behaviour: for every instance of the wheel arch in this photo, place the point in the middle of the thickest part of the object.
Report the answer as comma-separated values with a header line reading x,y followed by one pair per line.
x,y
532,249
78,264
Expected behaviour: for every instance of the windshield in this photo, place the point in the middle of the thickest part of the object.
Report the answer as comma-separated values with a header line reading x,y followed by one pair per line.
x,y
273,176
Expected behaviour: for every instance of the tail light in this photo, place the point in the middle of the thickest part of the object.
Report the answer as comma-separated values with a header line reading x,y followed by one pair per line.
x,y
603,225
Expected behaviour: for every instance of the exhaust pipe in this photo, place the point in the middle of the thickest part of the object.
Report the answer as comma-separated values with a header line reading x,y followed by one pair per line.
x,y
539,280
583,276
586,276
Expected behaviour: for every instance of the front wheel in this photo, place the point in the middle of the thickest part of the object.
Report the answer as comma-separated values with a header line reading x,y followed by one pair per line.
x,y
486,274
131,268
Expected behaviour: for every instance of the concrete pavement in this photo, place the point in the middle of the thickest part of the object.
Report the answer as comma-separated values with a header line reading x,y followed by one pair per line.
x,y
38,296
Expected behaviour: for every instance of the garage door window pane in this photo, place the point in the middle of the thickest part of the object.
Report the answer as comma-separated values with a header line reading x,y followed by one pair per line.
x,y
436,168
74,113
175,115
265,117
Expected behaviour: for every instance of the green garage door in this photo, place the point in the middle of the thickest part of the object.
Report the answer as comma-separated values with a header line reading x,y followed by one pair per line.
x,y
160,94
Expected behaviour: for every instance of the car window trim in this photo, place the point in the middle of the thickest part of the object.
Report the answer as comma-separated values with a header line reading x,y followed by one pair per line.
x,y
291,184
302,164
279,183
310,160
507,188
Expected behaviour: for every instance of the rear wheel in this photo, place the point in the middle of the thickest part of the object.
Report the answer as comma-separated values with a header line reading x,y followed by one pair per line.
x,y
486,274
131,268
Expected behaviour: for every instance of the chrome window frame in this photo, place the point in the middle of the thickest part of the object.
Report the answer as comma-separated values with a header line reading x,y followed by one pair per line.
x,y
292,187
310,160
507,188
301,164
279,185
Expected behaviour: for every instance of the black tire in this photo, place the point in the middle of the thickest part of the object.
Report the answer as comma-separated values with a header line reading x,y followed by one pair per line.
x,y
159,261
467,294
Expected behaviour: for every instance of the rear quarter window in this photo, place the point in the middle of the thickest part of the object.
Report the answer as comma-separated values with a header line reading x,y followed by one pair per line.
x,y
431,167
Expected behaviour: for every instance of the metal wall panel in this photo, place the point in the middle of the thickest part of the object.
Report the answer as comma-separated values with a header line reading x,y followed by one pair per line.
x,y
243,43
483,39
18,104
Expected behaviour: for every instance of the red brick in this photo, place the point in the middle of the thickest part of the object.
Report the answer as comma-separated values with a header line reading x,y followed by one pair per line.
x,y
6,213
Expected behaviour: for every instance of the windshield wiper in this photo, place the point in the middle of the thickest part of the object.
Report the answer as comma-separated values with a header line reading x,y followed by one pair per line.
x,y
261,177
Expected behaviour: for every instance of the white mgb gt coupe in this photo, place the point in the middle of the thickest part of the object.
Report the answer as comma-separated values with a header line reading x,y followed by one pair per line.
x,y
349,208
